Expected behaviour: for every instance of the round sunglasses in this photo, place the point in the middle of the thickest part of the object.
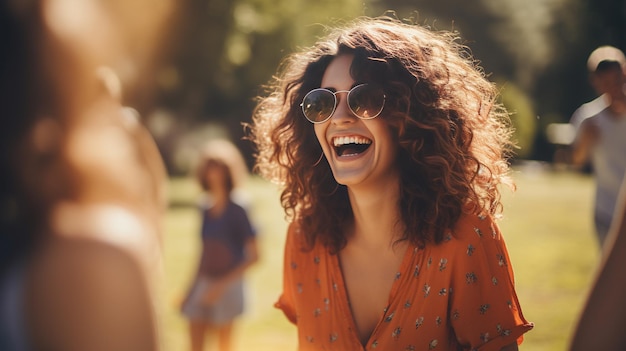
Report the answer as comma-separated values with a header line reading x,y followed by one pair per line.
x,y
365,101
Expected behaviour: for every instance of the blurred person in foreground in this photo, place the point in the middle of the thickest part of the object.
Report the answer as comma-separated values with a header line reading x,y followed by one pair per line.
x,y
391,149
600,135
602,321
229,247
82,183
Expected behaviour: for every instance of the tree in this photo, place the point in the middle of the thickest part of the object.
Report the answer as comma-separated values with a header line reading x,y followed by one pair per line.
x,y
224,51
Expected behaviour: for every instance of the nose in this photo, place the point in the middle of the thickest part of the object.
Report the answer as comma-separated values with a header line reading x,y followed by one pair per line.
x,y
342,113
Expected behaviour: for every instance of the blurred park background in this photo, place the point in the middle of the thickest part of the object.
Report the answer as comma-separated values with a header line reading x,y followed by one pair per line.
x,y
217,55
547,226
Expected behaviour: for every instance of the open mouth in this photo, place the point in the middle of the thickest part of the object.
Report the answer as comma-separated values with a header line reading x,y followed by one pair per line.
x,y
351,145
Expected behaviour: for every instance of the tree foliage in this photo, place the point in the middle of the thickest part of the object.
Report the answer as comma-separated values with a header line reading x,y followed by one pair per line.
x,y
222,52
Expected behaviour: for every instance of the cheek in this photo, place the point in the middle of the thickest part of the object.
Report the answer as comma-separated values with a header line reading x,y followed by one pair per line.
x,y
382,131
320,134
209,177
388,141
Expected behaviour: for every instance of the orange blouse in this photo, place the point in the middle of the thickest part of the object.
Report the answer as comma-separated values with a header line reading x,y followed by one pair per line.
x,y
458,295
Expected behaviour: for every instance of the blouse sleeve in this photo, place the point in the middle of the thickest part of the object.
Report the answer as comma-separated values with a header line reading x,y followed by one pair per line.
x,y
286,301
244,226
485,311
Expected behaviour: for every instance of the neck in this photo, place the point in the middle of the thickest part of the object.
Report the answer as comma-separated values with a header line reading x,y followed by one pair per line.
x,y
618,105
376,216
220,198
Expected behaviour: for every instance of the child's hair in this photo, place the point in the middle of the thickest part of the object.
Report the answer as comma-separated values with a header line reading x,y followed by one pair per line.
x,y
203,168
224,154
454,136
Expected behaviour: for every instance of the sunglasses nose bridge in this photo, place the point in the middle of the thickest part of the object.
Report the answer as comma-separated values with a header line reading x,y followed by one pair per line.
x,y
342,108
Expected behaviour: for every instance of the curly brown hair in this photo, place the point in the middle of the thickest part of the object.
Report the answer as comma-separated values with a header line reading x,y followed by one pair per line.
x,y
454,136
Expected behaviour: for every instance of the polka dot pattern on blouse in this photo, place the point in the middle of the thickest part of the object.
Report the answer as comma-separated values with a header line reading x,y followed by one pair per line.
x,y
458,295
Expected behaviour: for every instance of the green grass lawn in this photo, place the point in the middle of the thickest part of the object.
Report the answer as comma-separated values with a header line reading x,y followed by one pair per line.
x,y
547,226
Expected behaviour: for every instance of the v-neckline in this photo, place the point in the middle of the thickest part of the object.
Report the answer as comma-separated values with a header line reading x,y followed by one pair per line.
x,y
342,289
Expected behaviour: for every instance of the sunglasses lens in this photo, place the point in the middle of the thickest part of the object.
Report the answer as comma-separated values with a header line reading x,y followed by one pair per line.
x,y
366,101
318,105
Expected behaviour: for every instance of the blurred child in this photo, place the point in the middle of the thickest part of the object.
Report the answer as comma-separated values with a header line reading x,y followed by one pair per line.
x,y
229,248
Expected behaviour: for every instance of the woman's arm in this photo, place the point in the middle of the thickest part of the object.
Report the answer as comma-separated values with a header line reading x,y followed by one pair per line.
x,y
606,304
588,134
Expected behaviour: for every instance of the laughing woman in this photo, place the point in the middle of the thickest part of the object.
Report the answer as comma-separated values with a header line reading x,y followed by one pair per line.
x,y
391,147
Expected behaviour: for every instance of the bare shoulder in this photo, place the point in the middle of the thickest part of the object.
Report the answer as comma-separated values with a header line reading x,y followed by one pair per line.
x,y
111,225
91,286
86,294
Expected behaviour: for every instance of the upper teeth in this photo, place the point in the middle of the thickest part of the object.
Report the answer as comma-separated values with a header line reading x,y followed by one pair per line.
x,y
350,140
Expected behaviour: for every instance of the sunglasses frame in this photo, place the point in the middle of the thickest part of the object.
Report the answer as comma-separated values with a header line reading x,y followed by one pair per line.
x,y
334,93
